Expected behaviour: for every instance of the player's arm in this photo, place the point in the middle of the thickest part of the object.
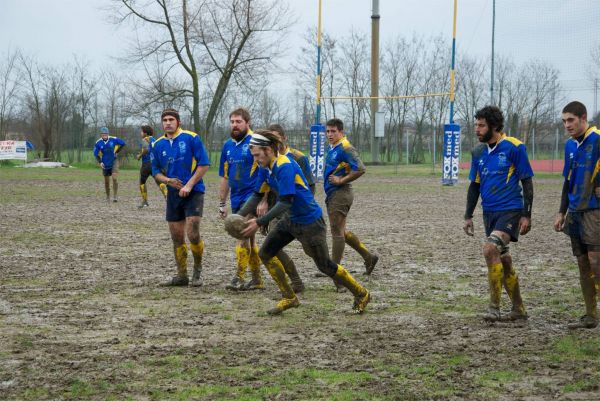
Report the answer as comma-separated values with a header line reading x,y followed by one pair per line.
x,y
251,204
559,221
472,198
194,179
121,144
202,165
223,193
284,203
356,165
525,222
97,156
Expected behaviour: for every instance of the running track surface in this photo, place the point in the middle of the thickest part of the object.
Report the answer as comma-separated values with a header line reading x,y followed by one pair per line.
x,y
542,166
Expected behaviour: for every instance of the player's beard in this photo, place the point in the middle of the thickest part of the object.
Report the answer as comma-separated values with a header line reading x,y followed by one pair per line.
x,y
486,137
237,136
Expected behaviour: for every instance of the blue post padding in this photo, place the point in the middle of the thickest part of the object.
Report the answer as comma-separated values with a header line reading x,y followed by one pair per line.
x,y
317,150
451,154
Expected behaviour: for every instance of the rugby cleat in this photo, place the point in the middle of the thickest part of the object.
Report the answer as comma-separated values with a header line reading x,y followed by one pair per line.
x,y
236,284
584,322
284,304
360,302
177,281
513,316
371,265
492,315
197,278
254,284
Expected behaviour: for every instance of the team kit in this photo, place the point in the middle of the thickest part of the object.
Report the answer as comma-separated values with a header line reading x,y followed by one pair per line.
x,y
270,188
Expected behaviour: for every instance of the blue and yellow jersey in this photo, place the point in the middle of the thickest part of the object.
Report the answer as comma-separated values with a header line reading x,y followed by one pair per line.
x,y
340,160
285,177
498,171
148,147
239,168
106,150
582,165
303,162
179,156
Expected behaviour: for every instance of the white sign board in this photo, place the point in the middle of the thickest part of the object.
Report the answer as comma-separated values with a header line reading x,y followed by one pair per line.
x,y
13,150
379,124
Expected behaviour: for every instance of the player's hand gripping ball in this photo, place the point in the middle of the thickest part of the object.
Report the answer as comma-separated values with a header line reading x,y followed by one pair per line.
x,y
234,225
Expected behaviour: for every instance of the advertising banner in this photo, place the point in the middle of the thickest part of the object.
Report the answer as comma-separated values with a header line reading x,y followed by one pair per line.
x,y
451,154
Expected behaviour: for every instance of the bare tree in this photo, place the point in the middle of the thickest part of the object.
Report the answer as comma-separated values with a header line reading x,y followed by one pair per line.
x,y
355,79
49,101
212,42
9,84
84,88
306,76
399,73
471,94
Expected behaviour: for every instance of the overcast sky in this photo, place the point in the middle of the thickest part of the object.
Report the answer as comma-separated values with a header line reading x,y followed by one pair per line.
x,y
560,31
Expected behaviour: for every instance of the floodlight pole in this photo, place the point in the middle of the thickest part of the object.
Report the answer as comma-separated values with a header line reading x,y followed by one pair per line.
x,y
493,52
452,71
318,108
374,79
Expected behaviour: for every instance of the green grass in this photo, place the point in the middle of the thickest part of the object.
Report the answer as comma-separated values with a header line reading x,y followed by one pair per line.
x,y
588,384
572,348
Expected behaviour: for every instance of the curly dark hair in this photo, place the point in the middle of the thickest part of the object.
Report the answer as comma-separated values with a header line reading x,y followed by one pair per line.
x,y
493,117
576,108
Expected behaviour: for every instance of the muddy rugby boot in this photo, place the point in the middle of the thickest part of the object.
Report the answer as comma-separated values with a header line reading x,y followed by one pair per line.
x,y
289,298
585,322
514,315
197,278
371,265
297,286
177,281
254,284
492,315
361,296
144,203
236,284
284,304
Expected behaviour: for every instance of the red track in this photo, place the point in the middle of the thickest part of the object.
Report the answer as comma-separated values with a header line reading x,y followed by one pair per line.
x,y
542,166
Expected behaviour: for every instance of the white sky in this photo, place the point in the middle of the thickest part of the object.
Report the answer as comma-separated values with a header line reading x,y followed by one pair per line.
x,y
559,30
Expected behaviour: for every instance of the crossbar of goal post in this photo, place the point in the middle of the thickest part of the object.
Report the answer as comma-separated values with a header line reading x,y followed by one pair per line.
x,y
451,130
424,95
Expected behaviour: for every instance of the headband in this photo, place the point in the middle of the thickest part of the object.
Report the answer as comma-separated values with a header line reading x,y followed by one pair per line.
x,y
259,140
170,112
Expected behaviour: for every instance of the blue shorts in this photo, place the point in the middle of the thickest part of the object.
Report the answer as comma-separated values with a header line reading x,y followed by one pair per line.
x,y
506,221
179,208
238,199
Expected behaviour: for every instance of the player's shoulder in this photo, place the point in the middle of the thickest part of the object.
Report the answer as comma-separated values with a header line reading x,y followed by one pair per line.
x,y
159,141
282,160
512,141
296,153
478,150
188,133
98,141
346,144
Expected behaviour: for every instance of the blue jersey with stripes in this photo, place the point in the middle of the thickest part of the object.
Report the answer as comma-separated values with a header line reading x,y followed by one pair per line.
x,y
179,157
285,177
582,164
106,150
340,160
148,147
303,162
498,171
239,168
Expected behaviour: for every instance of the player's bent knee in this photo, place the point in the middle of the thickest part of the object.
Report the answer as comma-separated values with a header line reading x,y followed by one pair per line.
x,y
495,244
